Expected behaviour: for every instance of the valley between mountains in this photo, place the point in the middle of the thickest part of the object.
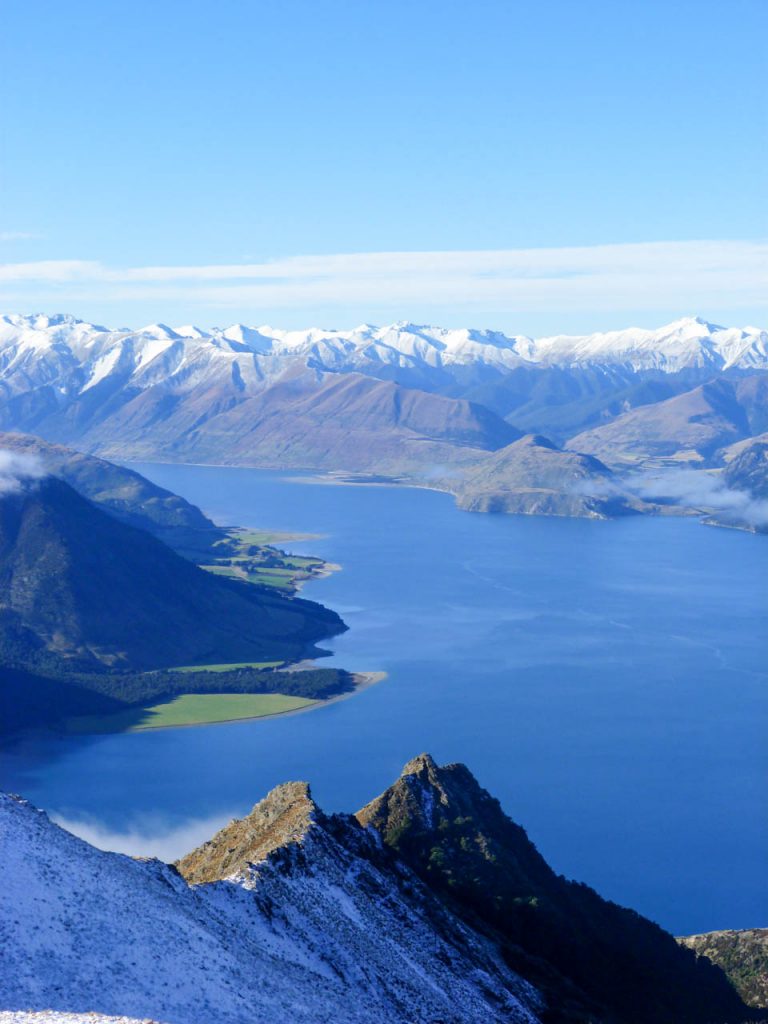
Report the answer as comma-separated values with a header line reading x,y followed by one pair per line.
x,y
627,421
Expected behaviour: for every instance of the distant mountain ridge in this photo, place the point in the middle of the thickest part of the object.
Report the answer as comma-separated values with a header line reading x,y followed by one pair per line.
x,y
413,403
689,427
66,343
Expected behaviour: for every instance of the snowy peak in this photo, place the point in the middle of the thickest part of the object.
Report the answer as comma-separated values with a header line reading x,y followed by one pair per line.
x,y
190,331
690,342
338,922
327,930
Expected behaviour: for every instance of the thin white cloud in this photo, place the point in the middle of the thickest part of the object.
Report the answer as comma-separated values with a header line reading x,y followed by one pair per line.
x,y
18,236
608,277
17,468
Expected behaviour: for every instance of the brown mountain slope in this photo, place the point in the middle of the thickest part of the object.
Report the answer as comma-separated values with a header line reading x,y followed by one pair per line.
x,y
688,428
307,420
532,476
743,955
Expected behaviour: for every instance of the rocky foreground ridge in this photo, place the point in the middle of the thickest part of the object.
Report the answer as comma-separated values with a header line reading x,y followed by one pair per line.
x,y
428,906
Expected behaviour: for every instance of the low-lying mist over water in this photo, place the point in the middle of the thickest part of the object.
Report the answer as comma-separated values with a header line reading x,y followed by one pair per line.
x,y
606,680
700,489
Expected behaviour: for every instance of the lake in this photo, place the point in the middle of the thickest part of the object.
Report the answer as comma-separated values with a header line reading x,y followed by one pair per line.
x,y
605,680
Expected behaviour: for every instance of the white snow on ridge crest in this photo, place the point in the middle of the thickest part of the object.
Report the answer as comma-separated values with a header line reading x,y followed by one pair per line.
x,y
40,350
339,939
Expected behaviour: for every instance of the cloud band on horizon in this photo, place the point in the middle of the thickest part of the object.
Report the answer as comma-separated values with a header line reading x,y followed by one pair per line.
x,y
689,274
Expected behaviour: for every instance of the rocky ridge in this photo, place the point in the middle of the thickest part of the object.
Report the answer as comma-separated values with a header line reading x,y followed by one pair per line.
x,y
597,961
428,906
743,955
323,929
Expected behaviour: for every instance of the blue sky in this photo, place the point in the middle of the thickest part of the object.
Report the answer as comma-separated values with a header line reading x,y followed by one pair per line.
x,y
220,135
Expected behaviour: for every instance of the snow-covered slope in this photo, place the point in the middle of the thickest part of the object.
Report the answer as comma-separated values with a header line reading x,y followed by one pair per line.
x,y
75,356
324,929
684,344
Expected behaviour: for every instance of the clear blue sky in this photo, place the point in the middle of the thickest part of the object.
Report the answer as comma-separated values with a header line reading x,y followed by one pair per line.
x,y
242,131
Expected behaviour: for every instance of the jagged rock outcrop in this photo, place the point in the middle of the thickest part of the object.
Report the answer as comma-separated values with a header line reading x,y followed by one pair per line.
x,y
325,928
428,907
594,959
283,816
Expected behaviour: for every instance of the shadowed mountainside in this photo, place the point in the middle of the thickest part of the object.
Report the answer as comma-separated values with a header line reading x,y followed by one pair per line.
x,y
129,496
748,470
96,591
594,957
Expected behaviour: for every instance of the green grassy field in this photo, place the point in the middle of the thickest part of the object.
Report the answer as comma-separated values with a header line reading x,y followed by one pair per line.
x,y
234,557
248,536
189,709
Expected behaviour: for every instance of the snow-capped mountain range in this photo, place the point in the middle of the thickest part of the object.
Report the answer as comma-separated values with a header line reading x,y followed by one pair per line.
x,y
403,400
43,349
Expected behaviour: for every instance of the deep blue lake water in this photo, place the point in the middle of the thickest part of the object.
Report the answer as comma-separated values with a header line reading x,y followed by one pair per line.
x,y
607,681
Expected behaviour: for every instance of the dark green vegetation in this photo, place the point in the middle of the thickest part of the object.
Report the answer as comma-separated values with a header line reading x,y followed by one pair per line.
x,y
743,955
595,960
95,612
136,501
240,555
100,593
47,697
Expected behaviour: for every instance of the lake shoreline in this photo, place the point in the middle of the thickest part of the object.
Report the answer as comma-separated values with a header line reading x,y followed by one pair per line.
x,y
362,681
344,478
562,658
